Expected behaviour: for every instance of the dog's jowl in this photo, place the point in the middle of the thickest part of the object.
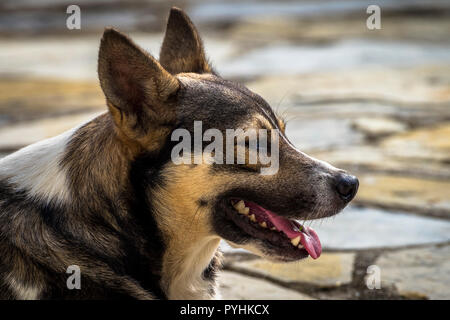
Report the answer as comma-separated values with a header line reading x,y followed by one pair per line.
x,y
107,197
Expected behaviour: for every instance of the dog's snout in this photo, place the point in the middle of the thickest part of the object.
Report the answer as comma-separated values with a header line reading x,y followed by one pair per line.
x,y
347,186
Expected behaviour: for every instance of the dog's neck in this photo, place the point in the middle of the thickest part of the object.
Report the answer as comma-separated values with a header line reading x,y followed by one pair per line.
x,y
184,266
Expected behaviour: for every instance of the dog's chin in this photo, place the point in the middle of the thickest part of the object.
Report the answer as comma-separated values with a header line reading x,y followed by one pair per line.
x,y
244,224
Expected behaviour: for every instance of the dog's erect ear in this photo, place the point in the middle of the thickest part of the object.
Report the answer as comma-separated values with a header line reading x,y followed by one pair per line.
x,y
130,77
137,88
182,49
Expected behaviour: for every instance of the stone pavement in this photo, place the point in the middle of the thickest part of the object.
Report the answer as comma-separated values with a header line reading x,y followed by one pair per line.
x,y
414,278
332,269
376,103
235,286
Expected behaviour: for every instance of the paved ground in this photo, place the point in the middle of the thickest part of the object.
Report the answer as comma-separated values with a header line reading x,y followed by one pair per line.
x,y
374,102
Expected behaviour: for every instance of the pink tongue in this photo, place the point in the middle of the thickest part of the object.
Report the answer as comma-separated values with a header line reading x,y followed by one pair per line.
x,y
308,237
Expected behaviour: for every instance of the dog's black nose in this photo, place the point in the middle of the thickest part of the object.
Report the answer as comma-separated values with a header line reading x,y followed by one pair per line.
x,y
347,186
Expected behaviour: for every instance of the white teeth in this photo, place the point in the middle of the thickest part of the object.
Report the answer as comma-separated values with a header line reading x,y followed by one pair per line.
x,y
253,218
273,228
300,246
239,205
244,211
295,241
263,224
241,208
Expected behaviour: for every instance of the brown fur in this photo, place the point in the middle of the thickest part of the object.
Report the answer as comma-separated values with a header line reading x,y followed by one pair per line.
x,y
181,32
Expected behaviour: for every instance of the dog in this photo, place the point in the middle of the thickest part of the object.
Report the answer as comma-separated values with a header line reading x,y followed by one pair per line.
x,y
106,198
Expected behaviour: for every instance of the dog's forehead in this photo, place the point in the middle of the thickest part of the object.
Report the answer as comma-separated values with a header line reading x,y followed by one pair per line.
x,y
206,94
209,85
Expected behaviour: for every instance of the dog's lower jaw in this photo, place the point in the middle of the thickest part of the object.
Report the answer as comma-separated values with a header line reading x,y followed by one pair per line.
x,y
183,272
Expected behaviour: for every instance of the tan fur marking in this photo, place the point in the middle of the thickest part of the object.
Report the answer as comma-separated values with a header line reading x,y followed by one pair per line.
x,y
21,291
187,230
281,124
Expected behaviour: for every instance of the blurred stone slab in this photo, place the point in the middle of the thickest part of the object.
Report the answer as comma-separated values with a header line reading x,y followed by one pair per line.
x,y
426,85
368,158
374,128
417,272
22,134
23,99
425,143
44,17
331,269
57,58
322,133
366,228
342,55
75,57
235,10
426,196
234,286
419,153
331,28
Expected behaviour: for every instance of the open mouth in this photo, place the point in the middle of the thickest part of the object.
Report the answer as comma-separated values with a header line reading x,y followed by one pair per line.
x,y
289,236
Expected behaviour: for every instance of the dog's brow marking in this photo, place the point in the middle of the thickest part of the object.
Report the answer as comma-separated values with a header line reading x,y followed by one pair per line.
x,y
264,123
37,169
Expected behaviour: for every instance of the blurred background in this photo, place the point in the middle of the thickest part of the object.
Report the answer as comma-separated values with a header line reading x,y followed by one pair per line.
x,y
375,102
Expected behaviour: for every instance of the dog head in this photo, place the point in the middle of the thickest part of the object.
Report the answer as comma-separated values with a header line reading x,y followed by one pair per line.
x,y
149,101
